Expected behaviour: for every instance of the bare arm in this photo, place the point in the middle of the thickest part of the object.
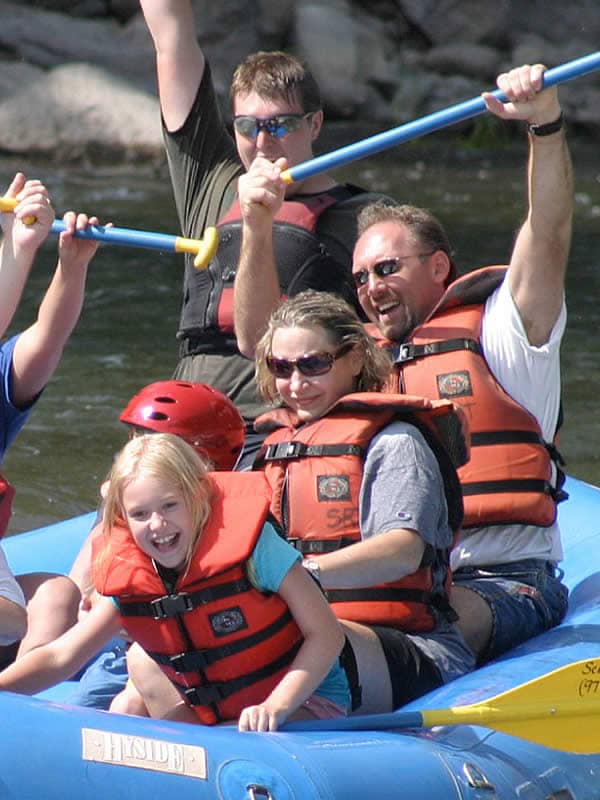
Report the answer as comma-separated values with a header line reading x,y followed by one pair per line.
x,y
179,59
60,659
539,258
256,290
383,558
323,642
21,241
39,348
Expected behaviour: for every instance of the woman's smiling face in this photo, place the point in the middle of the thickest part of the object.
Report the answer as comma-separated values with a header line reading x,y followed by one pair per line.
x,y
312,396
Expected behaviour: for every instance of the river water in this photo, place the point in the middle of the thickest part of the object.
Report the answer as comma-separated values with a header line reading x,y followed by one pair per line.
x,y
126,335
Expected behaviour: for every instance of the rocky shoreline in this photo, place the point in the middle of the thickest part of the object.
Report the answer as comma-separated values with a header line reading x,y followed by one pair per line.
x,y
77,77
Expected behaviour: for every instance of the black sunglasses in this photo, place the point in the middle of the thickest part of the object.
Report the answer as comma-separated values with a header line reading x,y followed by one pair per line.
x,y
384,268
309,365
277,126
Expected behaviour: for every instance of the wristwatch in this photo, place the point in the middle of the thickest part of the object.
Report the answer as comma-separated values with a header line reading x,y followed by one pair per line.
x,y
313,568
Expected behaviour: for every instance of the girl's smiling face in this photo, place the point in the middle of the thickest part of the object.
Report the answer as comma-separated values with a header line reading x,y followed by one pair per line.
x,y
312,396
159,520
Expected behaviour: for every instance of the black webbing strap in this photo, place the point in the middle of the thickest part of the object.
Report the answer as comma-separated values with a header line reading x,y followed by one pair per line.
x,y
382,594
501,487
199,660
171,605
408,352
289,450
214,692
315,546
506,437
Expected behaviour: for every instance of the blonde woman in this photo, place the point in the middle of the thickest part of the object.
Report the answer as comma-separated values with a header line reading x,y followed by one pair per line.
x,y
364,484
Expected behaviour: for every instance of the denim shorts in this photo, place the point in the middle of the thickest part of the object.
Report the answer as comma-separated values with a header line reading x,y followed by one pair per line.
x,y
103,678
525,597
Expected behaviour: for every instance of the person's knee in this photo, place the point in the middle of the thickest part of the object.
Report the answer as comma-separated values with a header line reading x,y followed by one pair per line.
x,y
129,701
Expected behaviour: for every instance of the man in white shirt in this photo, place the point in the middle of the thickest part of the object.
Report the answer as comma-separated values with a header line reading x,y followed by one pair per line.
x,y
490,341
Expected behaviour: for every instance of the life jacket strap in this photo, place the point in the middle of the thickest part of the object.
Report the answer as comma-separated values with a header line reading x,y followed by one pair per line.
x,y
216,692
172,605
283,451
199,660
408,352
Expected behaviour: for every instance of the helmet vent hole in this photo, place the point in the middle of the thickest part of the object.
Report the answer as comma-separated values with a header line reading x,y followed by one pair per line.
x,y
156,415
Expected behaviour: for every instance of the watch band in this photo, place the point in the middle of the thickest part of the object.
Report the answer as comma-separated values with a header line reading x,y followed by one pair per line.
x,y
548,128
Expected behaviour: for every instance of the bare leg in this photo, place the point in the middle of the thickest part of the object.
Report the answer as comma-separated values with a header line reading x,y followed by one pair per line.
x,y
475,617
52,606
155,690
372,668
129,701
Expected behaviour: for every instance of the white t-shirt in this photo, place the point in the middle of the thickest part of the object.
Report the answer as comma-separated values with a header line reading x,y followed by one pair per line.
x,y
531,375
9,588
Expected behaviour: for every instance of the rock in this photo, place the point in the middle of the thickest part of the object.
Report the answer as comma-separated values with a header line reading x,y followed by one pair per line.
x,y
76,111
377,61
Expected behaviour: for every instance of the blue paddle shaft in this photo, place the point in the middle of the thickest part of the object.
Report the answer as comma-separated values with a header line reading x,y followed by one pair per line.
x,y
432,122
367,722
125,236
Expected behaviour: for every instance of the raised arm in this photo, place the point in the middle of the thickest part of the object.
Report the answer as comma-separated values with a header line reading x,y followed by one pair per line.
x,y
179,59
539,258
21,241
256,290
39,348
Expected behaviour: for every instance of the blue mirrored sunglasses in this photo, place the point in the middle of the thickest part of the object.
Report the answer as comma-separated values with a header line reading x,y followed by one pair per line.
x,y
277,126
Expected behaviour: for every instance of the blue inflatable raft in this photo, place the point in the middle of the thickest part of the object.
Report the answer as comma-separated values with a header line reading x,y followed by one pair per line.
x,y
54,751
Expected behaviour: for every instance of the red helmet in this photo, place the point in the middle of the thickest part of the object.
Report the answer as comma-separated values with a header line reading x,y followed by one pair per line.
x,y
200,414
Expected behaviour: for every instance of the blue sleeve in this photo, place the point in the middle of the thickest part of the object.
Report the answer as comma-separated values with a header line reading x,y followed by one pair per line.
x,y
272,559
11,419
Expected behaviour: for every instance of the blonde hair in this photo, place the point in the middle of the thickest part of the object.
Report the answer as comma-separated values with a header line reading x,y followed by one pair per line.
x,y
340,323
170,459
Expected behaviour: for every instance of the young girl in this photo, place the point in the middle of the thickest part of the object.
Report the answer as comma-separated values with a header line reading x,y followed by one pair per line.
x,y
191,567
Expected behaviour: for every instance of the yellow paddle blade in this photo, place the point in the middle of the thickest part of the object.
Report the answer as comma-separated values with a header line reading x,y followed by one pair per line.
x,y
559,710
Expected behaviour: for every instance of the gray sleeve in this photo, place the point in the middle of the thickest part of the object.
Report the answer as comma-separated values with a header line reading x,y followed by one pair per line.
x,y
402,487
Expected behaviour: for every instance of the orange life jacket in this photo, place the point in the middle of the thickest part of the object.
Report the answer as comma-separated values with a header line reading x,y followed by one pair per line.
x,y
7,494
315,471
224,644
508,478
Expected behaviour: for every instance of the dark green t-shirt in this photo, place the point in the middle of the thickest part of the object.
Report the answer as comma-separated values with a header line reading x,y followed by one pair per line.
x,y
204,167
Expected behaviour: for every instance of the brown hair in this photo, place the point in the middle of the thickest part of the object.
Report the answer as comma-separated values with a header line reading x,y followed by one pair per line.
x,y
427,231
341,324
274,75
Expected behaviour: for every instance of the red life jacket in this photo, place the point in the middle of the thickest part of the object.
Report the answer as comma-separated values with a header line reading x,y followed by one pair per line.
x,y
315,471
7,494
508,478
224,644
207,317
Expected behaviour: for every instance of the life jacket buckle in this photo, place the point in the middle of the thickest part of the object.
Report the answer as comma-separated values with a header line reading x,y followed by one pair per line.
x,y
171,605
403,353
